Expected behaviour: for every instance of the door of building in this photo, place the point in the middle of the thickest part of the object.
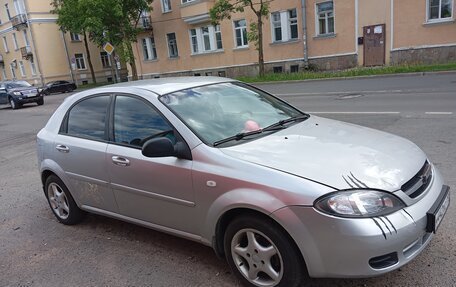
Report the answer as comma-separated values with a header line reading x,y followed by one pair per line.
x,y
374,45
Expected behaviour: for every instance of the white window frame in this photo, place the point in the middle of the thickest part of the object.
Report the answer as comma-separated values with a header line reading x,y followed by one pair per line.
x,y
285,23
169,45
80,60
166,6
22,69
13,73
75,37
317,20
105,55
243,29
16,46
204,39
289,24
25,36
149,49
187,1
32,67
277,23
4,77
19,6
5,44
439,19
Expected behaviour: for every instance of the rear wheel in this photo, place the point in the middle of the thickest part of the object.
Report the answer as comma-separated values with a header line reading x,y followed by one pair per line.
x,y
262,254
61,202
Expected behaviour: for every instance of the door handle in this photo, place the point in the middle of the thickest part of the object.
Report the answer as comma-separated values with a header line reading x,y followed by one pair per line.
x,y
62,148
118,160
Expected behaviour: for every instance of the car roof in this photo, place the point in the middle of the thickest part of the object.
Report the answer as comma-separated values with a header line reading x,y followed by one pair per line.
x,y
163,86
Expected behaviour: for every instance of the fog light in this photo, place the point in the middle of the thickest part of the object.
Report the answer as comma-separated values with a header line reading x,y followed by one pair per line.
x,y
384,261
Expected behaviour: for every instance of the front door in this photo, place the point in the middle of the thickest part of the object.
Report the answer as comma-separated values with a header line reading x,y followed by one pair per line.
x,y
374,45
156,190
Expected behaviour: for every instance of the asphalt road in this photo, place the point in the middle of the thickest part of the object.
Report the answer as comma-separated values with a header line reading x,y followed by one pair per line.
x,y
35,250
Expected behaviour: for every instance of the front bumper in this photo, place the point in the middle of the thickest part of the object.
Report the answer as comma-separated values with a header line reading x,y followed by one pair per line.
x,y
346,247
24,100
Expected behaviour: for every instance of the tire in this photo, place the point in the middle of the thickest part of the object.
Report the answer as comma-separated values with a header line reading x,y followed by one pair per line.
x,y
13,104
61,202
260,253
40,102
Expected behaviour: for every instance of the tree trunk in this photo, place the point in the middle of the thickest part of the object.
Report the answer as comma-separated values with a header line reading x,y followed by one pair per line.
x,y
132,62
89,60
260,44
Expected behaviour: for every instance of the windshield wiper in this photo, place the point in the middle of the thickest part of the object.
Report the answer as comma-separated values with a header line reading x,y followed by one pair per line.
x,y
282,123
239,136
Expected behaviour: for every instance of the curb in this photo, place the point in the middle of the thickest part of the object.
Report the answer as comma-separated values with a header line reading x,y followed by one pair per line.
x,y
358,77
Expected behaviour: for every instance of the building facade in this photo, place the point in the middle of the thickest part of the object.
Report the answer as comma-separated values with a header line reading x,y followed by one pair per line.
x,y
34,49
326,34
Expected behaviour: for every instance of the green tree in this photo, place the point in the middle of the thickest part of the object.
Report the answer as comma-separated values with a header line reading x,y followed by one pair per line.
x,y
71,18
223,9
114,21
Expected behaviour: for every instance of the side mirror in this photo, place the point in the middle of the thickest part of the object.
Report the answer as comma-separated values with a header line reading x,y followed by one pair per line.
x,y
158,147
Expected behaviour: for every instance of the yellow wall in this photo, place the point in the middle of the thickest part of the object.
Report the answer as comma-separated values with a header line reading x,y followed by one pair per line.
x,y
412,30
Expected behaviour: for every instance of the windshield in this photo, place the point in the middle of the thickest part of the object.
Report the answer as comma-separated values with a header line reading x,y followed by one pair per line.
x,y
18,84
217,112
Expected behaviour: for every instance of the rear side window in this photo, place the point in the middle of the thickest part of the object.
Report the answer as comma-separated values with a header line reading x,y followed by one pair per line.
x,y
88,118
136,121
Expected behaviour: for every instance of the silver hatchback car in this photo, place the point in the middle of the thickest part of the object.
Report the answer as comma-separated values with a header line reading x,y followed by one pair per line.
x,y
283,195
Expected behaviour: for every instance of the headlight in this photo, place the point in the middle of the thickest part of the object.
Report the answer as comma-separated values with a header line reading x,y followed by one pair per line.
x,y
359,203
17,93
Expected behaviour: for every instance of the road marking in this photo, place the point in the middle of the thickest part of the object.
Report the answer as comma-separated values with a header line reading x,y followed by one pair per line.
x,y
360,113
438,113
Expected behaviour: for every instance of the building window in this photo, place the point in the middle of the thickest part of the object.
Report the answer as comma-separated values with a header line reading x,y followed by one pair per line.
x,y
294,68
166,5
15,41
80,61
4,77
19,6
32,67
105,60
277,69
285,25
325,18
240,30
149,50
8,11
26,41
439,9
75,37
5,44
172,45
13,72
187,1
206,39
22,68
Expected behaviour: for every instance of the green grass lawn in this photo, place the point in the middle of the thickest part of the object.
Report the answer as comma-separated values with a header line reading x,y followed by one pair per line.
x,y
310,75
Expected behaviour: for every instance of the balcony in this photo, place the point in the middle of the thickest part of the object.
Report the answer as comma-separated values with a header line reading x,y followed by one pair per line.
x,y
26,52
196,12
19,21
145,23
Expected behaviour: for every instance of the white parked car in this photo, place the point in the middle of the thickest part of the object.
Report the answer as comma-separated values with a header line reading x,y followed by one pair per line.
x,y
283,195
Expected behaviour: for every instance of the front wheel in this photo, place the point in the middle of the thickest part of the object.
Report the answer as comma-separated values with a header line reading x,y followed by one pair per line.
x,y
61,202
262,254
13,104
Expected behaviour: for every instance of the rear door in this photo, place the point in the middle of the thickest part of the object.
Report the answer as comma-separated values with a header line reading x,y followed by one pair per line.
x,y
80,150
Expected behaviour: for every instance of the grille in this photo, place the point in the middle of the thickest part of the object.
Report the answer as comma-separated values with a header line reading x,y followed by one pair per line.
x,y
418,184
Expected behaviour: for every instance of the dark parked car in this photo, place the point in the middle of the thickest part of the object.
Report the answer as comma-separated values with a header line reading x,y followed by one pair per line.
x,y
17,93
58,87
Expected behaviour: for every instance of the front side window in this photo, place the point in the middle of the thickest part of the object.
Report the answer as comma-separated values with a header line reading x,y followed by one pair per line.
x,y
136,121
240,31
166,5
219,111
88,118
172,45
440,9
80,61
206,39
325,18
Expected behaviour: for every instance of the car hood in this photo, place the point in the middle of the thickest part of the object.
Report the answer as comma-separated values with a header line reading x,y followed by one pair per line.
x,y
337,154
24,89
